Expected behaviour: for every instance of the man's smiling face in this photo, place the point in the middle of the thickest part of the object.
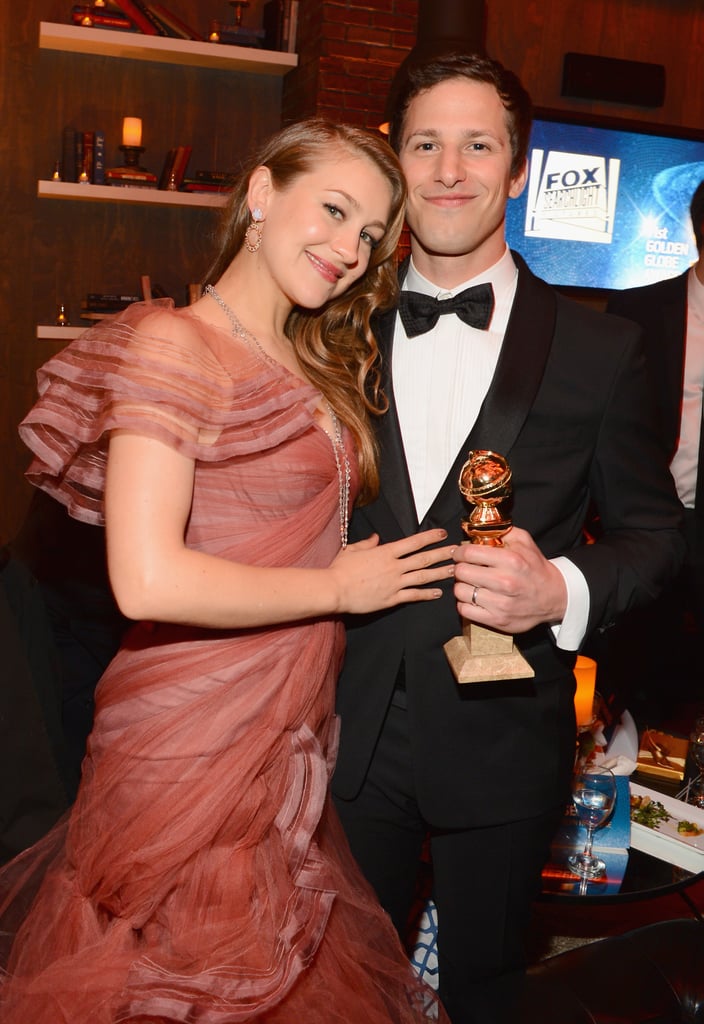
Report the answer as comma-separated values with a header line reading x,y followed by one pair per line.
x,y
456,155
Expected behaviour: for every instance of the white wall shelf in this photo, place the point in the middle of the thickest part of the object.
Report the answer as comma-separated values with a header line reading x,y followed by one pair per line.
x,y
125,194
48,332
136,46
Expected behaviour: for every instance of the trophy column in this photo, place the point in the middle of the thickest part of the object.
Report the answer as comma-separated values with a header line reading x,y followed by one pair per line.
x,y
481,654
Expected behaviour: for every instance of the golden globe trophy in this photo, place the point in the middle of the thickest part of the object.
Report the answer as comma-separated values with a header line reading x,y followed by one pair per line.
x,y
481,654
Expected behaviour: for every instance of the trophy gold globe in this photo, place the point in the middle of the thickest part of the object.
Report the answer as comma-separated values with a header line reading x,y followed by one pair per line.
x,y
481,654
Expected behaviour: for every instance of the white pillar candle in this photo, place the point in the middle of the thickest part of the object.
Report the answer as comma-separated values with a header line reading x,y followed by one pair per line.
x,y
132,131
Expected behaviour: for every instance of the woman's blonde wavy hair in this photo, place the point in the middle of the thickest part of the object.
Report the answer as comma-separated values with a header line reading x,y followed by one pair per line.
x,y
334,344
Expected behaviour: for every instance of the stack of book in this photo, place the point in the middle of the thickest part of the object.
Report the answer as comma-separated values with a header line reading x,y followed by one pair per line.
x,y
101,17
98,305
237,35
209,181
131,177
83,156
152,19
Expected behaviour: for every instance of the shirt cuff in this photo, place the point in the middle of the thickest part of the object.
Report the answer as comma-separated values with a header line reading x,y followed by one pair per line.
x,y
570,633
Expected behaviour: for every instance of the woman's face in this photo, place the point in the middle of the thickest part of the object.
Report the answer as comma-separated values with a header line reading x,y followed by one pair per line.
x,y
319,232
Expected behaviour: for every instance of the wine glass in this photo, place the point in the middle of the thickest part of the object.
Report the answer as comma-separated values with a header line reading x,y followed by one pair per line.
x,y
594,796
696,749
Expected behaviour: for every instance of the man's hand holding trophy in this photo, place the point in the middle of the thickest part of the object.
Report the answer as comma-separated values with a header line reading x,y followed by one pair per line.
x,y
481,654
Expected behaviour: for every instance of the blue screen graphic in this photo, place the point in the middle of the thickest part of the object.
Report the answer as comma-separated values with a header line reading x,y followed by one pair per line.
x,y
605,207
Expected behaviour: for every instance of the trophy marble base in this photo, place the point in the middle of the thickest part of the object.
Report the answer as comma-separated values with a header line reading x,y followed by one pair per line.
x,y
482,655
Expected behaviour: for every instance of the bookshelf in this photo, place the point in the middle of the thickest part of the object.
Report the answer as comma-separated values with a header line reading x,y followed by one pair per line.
x,y
231,93
135,46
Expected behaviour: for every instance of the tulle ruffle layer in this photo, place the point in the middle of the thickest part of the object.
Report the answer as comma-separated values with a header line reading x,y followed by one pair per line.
x,y
206,395
352,970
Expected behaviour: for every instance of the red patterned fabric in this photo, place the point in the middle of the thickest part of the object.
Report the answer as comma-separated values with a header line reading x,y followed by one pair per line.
x,y
202,874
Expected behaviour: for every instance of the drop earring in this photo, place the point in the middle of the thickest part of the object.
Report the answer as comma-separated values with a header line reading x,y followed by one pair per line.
x,y
253,234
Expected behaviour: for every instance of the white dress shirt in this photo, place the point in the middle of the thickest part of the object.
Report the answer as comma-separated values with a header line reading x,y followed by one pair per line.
x,y
686,458
440,380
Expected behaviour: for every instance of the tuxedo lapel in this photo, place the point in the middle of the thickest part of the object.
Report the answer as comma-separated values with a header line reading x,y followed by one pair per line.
x,y
395,481
518,374
524,353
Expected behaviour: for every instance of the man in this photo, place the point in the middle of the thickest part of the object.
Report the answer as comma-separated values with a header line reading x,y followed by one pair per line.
x,y
671,314
483,769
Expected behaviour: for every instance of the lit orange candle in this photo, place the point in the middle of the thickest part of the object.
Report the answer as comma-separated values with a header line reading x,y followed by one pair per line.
x,y
585,674
132,131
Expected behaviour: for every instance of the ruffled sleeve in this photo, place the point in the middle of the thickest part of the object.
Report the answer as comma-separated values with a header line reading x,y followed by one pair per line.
x,y
118,375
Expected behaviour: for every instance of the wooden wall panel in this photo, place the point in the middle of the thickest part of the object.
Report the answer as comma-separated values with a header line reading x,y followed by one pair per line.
x,y
532,38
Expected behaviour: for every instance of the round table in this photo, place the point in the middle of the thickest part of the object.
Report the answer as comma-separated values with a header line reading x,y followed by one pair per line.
x,y
633,874
645,877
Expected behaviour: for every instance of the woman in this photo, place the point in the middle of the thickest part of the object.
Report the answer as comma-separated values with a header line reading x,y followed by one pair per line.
x,y
202,874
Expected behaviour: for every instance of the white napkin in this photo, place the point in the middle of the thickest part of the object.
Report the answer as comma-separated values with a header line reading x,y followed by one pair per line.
x,y
620,764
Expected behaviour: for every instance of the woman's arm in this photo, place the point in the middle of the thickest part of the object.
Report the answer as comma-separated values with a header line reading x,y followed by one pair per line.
x,y
154,576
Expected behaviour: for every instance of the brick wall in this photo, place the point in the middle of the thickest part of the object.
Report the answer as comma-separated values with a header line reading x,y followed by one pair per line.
x,y
348,54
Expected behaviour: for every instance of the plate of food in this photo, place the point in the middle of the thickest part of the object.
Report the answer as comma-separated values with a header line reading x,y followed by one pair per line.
x,y
667,828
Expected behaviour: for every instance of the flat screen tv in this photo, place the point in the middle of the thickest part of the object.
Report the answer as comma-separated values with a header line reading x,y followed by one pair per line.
x,y
606,203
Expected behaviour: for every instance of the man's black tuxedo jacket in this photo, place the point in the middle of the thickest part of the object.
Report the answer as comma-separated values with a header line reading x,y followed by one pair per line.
x,y
661,311
568,407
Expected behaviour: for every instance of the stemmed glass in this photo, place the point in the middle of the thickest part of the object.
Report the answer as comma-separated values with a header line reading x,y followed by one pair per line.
x,y
594,796
696,749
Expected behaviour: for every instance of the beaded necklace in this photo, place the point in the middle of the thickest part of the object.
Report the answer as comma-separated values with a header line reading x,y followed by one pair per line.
x,y
342,461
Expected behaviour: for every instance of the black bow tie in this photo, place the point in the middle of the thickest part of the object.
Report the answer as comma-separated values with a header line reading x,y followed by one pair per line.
x,y
419,313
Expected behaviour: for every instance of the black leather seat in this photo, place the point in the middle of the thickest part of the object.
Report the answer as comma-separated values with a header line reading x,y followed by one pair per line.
x,y
653,974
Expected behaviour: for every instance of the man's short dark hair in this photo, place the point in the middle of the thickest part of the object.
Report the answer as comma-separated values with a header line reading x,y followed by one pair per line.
x,y
696,212
433,71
